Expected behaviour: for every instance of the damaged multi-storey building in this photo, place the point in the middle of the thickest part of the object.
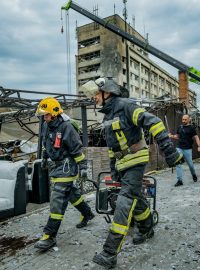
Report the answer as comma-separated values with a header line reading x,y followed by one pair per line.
x,y
103,53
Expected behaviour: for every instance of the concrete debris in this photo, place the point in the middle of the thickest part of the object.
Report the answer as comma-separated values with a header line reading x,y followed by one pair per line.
x,y
176,245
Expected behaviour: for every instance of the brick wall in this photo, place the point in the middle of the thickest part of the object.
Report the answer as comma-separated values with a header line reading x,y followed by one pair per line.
x,y
98,160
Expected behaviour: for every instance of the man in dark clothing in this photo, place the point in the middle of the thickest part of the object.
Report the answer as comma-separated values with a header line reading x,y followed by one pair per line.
x,y
124,122
186,133
63,146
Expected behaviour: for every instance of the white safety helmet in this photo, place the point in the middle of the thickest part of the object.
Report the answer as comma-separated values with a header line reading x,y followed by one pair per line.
x,y
105,84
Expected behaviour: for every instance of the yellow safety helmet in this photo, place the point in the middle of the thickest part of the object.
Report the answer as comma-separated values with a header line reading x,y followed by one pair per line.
x,y
49,105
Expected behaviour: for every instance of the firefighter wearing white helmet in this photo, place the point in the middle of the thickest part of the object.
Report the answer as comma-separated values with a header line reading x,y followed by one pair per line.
x,y
124,122
63,147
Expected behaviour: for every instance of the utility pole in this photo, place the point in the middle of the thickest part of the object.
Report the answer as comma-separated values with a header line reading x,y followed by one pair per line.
x,y
126,47
84,125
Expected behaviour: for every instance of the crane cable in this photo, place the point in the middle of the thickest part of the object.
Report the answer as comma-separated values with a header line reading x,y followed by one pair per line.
x,y
67,49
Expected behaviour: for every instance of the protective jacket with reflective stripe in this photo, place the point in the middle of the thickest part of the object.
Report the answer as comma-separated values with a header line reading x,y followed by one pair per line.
x,y
124,122
69,154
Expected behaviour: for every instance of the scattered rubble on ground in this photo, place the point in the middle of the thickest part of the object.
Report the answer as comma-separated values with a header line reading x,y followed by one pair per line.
x,y
176,245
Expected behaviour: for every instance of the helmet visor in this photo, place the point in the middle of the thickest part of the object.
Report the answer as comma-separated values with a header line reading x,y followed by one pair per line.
x,y
90,89
40,112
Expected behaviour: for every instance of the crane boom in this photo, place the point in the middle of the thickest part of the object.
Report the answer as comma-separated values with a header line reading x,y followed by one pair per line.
x,y
144,45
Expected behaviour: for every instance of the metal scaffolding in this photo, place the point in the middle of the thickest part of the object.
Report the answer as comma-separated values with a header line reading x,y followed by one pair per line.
x,y
23,103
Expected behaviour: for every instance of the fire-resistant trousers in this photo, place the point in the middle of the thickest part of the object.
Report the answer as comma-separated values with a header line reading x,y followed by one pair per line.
x,y
61,194
130,204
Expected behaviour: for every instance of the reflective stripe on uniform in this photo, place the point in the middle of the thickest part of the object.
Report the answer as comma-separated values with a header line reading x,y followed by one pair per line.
x,y
45,237
56,216
136,114
121,139
80,200
157,128
132,162
119,134
81,218
131,211
143,216
128,223
64,179
110,153
116,125
179,158
79,158
118,228
141,156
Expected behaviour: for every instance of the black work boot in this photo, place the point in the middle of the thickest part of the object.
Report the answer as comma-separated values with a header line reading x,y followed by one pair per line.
x,y
46,242
105,259
140,237
194,178
85,220
145,230
179,183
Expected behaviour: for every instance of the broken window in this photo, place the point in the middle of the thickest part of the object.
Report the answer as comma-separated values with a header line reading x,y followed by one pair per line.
x,y
81,82
123,59
137,78
89,42
131,75
137,91
136,65
125,85
89,56
161,81
87,69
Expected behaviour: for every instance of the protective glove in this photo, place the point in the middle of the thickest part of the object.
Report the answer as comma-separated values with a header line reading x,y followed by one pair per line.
x,y
83,173
44,164
114,172
172,156
174,159
83,168
114,175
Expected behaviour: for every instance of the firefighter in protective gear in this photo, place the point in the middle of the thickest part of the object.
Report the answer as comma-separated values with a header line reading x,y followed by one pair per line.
x,y
63,147
124,122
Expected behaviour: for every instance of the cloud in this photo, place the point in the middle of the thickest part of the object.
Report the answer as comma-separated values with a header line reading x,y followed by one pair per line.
x,y
33,51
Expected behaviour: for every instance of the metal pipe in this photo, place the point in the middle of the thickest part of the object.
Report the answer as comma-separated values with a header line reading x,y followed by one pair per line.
x,y
84,125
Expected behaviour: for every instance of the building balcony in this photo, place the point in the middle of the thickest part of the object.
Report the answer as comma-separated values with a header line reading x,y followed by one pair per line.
x,y
88,75
85,63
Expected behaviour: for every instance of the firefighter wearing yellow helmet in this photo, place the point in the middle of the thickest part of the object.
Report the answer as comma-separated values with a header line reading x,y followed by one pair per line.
x,y
124,122
64,149
49,105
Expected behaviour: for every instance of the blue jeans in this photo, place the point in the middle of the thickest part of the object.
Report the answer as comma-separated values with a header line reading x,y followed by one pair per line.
x,y
187,154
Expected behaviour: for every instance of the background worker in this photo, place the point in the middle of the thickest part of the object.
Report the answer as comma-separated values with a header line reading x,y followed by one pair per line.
x,y
186,134
63,146
124,122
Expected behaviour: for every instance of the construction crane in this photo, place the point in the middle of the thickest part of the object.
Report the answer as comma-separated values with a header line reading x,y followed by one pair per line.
x,y
193,73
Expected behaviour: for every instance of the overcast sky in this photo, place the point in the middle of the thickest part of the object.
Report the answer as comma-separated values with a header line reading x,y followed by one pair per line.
x,y
33,50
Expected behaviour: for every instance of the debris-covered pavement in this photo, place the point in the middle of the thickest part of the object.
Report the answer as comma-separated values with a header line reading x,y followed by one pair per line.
x,y
176,244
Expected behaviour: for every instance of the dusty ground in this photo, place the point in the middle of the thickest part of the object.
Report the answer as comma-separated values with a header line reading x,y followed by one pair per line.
x,y
176,244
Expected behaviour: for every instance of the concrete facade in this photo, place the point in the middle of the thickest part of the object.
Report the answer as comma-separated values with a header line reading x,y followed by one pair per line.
x,y
103,53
